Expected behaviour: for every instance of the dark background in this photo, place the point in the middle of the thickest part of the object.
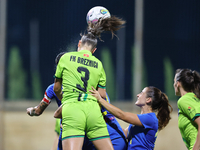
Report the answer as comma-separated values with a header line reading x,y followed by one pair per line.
x,y
171,29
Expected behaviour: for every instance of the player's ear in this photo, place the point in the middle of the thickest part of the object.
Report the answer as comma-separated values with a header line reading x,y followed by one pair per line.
x,y
178,84
148,100
79,43
94,50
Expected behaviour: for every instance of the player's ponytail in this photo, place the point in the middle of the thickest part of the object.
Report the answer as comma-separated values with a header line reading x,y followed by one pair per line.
x,y
160,104
196,83
94,31
111,24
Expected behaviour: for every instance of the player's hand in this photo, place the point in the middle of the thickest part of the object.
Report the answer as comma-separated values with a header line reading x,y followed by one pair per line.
x,y
95,93
31,111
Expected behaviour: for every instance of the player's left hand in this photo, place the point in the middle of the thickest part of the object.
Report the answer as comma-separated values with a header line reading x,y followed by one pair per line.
x,y
95,93
31,111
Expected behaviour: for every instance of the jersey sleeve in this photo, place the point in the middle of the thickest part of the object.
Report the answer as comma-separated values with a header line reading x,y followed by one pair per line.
x,y
102,81
59,68
49,91
147,120
189,108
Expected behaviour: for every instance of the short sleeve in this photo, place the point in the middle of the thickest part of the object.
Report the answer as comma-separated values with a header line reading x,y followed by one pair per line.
x,y
147,120
102,80
49,91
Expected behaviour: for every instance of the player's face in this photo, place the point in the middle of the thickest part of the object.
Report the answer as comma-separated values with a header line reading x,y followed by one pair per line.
x,y
176,89
141,98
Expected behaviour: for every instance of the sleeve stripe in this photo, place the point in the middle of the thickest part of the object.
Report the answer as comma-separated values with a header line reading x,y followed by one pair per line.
x,y
103,87
197,115
46,99
56,77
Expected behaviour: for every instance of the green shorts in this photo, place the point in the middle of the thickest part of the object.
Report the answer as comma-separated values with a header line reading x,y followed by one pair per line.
x,y
83,117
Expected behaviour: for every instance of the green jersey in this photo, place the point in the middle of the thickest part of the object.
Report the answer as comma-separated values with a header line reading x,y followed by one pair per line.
x,y
80,71
189,109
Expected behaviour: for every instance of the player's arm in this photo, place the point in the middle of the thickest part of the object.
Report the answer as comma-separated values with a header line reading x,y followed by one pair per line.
x,y
38,110
197,143
57,88
102,92
125,116
58,112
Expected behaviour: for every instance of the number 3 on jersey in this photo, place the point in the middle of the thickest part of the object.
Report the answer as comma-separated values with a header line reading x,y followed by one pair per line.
x,y
84,79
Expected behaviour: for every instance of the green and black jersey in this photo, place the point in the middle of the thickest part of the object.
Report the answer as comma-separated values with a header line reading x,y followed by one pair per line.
x,y
80,71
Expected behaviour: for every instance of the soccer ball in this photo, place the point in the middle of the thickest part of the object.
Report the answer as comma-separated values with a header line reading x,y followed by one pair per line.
x,y
95,13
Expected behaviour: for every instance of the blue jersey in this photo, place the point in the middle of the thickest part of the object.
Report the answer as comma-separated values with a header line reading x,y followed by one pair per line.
x,y
50,93
143,138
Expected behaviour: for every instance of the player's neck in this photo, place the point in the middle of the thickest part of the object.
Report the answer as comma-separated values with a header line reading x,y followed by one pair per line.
x,y
146,109
84,48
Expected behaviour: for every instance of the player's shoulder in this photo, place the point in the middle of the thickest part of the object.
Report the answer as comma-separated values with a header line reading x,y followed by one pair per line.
x,y
50,86
185,97
68,54
97,60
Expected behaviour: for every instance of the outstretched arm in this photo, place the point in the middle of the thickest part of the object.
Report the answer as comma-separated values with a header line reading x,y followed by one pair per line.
x,y
125,116
38,110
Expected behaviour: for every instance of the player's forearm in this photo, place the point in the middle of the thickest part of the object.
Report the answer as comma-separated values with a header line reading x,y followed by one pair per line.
x,y
58,113
37,110
40,108
197,143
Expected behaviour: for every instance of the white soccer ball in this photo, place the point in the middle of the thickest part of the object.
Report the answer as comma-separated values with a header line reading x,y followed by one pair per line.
x,y
97,12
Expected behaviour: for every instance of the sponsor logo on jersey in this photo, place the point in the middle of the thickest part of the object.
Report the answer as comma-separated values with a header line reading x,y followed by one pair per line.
x,y
189,108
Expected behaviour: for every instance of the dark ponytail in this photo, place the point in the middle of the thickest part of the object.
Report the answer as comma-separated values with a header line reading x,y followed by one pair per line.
x,y
94,31
196,83
111,24
160,104
190,80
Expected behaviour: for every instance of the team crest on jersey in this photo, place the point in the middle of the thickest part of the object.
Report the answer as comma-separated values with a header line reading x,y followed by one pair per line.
x,y
86,55
190,109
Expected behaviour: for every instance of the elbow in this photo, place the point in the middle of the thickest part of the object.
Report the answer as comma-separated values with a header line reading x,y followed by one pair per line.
x,y
57,115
